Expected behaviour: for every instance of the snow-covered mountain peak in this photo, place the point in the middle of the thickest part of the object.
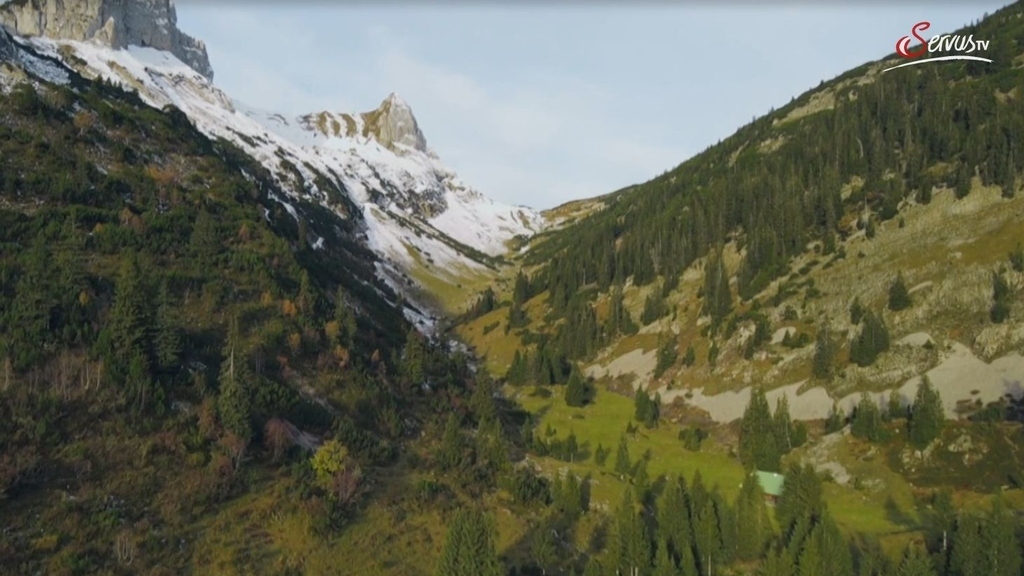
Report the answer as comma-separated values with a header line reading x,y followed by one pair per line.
x,y
114,23
392,124
372,170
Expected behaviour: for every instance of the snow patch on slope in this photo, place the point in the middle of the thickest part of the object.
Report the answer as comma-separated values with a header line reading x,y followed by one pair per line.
x,y
406,196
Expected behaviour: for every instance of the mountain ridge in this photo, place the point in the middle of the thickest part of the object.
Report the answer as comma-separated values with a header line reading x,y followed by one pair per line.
x,y
416,213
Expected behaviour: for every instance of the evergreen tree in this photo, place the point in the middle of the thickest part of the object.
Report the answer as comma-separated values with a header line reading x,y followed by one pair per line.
x,y
414,357
622,463
645,409
1002,547
968,553
869,229
717,295
691,356
450,454
345,318
234,401
927,415
754,526
823,365
664,565
856,311
1016,257
962,186
166,341
1000,310
826,551
469,548
674,518
707,537
205,240
518,372
836,419
783,425
713,354
872,341
630,547
130,318
575,389
866,422
687,562
899,297
667,355
801,498
543,546
758,447
778,563
915,563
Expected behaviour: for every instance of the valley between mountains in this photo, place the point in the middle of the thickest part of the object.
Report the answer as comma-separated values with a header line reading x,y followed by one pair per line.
x,y
236,342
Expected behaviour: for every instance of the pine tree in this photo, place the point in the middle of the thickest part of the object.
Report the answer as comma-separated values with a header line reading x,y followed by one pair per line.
x,y
543,547
205,240
673,517
1000,310
345,318
783,425
915,563
691,356
1002,548
801,498
687,562
469,548
866,422
1016,257
754,526
968,552
927,415
717,295
758,447
166,342
234,401
707,537
836,419
518,370
663,563
778,563
450,454
869,230
414,357
575,389
129,319
823,364
899,297
856,311
630,547
622,463
872,341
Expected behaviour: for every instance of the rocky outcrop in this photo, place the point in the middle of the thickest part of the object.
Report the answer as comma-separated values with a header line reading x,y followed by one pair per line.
x,y
391,124
116,23
6,47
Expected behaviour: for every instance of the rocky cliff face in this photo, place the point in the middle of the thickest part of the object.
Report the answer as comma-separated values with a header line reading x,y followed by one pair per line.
x,y
6,47
116,23
392,124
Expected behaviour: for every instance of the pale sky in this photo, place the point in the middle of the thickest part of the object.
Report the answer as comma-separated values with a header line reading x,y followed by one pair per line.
x,y
540,105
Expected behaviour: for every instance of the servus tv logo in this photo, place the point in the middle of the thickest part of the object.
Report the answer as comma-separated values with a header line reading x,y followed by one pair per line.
x,y
940,48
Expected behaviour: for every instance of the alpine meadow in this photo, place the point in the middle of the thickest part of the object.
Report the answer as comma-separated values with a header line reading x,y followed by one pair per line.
x,y
239,343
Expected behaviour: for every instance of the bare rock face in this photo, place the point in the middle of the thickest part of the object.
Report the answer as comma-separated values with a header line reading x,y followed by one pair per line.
x,y
391,124
6,47
116,23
